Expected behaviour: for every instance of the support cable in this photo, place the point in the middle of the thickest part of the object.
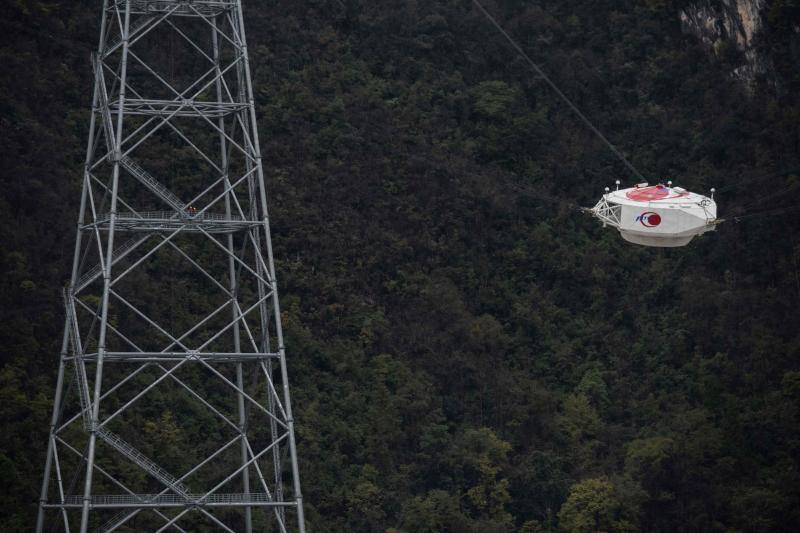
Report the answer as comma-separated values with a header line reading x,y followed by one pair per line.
x,y
768,213
750,180
776,193
558,91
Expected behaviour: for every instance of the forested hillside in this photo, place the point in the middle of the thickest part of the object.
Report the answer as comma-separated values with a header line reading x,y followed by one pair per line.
x,y
469,352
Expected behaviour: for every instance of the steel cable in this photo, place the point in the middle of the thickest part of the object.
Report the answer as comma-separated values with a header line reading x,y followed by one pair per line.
x,y
558,91
767,213
750,180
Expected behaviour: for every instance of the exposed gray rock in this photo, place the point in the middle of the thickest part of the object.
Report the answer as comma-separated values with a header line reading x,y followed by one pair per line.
x,y
720,23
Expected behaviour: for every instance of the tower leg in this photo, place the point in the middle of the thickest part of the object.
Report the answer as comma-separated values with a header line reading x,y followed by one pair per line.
x,y
65,339
87,488
233,284
51,438
109,252
298,495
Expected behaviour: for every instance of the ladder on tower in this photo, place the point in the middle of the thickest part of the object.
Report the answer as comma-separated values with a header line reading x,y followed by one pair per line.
x,y
155,186
133,30
115,521
119,253
133,168
112,439
126,449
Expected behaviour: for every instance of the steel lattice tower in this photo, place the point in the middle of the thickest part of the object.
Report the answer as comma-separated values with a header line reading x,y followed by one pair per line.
x,y
172,406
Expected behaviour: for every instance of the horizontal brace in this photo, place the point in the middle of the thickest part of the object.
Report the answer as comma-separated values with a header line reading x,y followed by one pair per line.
x,y
222,357
177,108
164,505
155,505
160,221
175,7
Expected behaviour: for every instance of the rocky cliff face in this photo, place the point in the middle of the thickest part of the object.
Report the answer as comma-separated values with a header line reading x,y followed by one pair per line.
x,y
721,23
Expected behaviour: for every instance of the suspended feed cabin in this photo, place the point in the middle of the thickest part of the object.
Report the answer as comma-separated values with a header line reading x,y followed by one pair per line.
x,y
657,215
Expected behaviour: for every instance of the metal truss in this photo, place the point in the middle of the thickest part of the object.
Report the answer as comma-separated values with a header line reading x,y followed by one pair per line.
x,y
172,408
609,214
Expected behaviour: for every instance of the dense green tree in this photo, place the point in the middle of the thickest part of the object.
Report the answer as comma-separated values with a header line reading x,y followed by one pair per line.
x,y
467,351
594,505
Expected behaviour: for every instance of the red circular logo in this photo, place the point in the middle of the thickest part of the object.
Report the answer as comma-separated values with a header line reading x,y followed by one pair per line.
x,y
649,219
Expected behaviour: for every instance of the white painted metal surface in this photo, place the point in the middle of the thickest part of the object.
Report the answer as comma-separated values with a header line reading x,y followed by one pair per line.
x,y
657,215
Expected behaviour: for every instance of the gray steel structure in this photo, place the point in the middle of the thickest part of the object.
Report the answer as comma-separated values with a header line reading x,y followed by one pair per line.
x,y
172,302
